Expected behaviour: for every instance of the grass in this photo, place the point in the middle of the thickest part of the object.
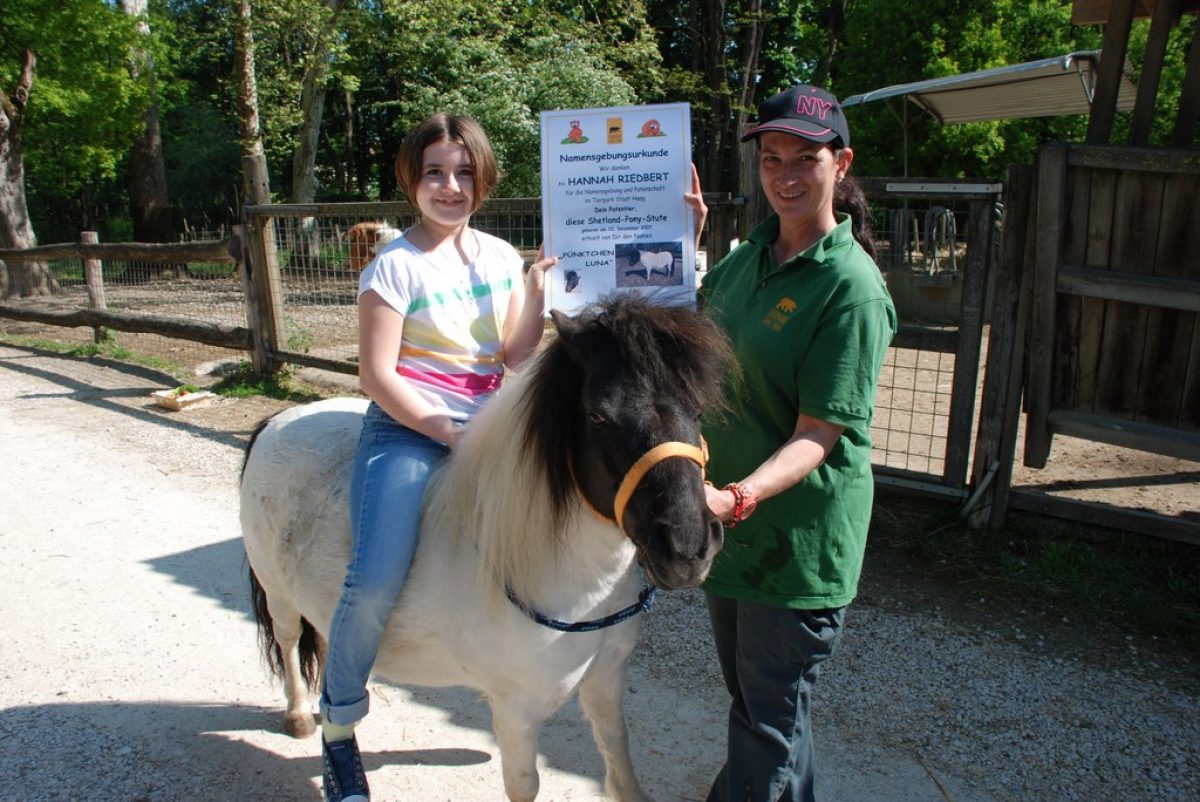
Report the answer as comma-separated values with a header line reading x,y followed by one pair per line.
x,y
1089,573
106,348
243,382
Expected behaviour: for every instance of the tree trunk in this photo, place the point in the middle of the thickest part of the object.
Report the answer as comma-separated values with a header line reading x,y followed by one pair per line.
x,y
836,28
149,203
751,48
21,279
713,125
256,183
304,160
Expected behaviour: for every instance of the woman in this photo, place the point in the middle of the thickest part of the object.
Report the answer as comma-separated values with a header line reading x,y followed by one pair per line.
x,y
442,311
810,319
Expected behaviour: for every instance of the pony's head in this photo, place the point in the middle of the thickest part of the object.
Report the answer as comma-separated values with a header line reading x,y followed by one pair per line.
x,y
623,377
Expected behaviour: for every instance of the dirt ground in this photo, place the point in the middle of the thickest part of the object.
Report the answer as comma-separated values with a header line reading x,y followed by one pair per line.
x,y
131,673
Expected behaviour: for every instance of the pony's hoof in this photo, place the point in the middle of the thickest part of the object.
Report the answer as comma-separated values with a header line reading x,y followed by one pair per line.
x,y
299,725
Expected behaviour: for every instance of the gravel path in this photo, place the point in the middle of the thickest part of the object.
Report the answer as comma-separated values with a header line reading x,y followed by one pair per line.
x,y
131,673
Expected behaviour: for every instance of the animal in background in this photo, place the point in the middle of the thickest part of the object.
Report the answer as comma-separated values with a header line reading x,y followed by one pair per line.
x,y
647,262
366,239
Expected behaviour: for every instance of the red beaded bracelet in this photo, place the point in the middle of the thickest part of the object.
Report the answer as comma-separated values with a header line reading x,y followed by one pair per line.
x,y
744,503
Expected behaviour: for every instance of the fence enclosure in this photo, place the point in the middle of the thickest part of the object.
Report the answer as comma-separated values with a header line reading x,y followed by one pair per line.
x,y
287,296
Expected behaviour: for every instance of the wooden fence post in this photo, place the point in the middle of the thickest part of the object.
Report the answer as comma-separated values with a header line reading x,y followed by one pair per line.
x,y
263,291
93,276
970,333
1000,405
1049,217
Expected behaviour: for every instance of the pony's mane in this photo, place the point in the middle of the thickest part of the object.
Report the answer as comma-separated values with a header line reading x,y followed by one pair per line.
x,y
671,346
519,446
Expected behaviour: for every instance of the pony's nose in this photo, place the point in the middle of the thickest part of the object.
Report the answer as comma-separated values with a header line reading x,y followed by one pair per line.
x,y
704,546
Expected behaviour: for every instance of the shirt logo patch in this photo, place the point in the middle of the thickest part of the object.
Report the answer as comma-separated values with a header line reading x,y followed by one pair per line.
x,y
778,317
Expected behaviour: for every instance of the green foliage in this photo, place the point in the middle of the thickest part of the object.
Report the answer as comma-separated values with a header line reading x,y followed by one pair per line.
x,y
86,105
391,64
299,338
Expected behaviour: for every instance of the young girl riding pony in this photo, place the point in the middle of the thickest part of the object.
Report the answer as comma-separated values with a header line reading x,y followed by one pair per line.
x,y
442,311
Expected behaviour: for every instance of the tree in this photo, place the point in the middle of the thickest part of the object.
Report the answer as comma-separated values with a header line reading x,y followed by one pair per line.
x,y
149,201
255,175
76,128
16,230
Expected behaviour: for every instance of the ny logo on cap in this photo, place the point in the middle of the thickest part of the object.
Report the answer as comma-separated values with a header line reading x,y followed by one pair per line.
x,y
813,106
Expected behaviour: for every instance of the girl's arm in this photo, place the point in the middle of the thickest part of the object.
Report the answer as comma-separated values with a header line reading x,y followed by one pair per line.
x,y
526,314
379,330
803,453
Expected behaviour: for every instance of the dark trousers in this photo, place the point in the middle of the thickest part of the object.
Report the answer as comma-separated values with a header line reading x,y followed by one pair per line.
x,y
770,657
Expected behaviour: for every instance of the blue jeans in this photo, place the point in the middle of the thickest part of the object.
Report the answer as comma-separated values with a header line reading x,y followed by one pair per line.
x,y
392,467
770,658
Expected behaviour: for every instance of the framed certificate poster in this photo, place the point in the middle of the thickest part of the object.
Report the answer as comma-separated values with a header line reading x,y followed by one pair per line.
x,y
613,182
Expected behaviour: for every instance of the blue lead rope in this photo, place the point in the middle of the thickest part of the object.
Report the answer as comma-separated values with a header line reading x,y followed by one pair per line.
x,y
643,604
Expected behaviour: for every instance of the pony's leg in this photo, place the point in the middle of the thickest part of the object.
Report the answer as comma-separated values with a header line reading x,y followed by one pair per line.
x,y
287,625
516,723
601,696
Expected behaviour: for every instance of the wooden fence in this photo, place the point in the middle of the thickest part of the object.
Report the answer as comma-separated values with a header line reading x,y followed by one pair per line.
x,y
1097,321
92,254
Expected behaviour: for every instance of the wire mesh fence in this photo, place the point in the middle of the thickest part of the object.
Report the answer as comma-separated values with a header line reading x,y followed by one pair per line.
x,y
318,251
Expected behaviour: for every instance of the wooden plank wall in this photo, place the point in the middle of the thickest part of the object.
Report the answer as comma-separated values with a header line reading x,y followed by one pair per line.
x,y
1115,342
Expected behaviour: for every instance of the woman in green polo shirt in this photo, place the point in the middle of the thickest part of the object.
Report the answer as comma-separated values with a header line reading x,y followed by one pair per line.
x,y
810,319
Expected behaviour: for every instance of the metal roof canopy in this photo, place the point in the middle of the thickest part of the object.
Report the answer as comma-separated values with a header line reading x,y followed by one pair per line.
x,y
1044,88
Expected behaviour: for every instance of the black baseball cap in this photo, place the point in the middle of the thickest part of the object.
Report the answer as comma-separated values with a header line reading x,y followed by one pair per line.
x,y
804,111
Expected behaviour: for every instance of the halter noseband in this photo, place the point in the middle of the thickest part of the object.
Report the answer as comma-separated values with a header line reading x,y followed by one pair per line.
x,y
638,471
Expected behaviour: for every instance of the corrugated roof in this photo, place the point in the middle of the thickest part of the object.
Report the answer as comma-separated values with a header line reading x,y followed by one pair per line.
x,y
1045,88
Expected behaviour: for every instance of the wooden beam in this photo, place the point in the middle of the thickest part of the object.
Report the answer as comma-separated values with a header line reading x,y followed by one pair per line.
x,y
1095,12
223,251
1000,405
1189,97
970,334
218,334
1108,77
1050,214
1134,288
1126,157
1152,64
1163,440
1106,515
310,361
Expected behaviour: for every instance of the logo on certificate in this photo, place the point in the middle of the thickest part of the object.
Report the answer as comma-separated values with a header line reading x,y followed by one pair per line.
x,y
651,128
616,131
575,135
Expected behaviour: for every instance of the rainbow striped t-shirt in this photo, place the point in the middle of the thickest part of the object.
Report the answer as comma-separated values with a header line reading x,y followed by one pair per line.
x,y
450,349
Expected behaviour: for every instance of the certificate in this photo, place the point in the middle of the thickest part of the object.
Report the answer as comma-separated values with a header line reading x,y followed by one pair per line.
x,y
613,212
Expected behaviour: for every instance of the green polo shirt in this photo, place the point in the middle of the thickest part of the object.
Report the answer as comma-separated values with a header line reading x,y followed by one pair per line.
x,y
810,335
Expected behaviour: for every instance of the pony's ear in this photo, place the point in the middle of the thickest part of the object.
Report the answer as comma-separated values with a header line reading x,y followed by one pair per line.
x,y
570,333
565,325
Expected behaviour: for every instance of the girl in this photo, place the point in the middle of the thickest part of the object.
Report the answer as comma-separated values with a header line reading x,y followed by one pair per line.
x,y
442,312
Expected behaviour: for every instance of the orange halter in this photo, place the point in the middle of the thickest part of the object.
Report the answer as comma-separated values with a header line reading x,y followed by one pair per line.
x,y
638,471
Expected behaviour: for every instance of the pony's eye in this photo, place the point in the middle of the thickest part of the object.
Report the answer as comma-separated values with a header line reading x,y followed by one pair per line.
x,y
596,419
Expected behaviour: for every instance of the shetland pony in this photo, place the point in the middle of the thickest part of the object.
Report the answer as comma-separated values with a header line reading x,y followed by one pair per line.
x,y
365,240
585,465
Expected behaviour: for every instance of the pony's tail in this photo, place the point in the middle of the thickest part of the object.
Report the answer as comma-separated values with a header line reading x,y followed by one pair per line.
x,y
310,653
